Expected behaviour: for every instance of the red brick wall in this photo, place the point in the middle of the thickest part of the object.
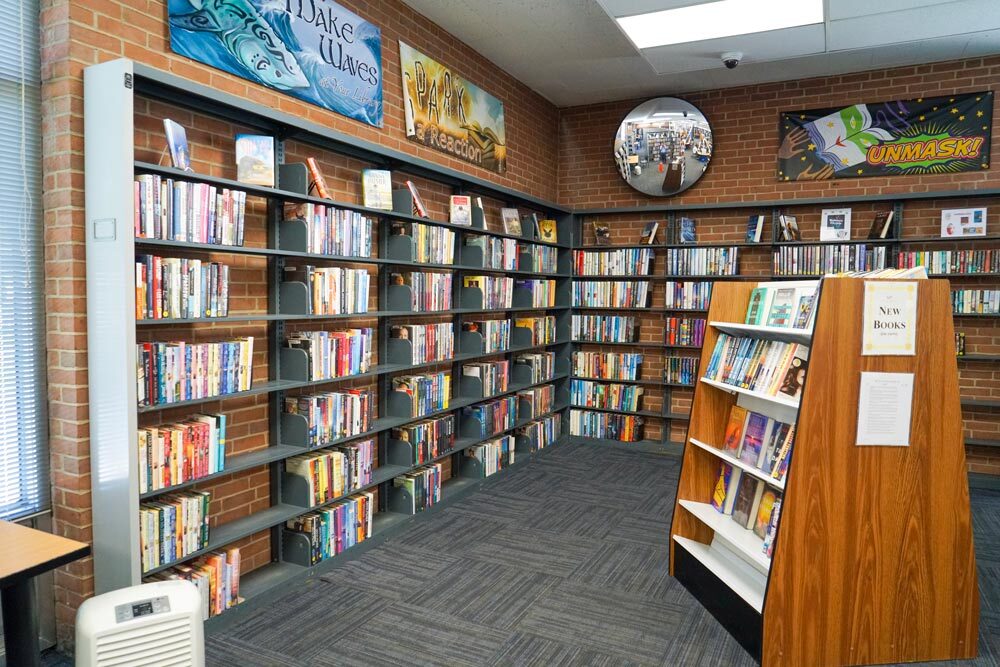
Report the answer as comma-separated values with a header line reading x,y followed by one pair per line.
x,y
743,168
78,33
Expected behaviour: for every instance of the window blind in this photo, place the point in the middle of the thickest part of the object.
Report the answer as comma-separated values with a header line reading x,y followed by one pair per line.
x,y
24,479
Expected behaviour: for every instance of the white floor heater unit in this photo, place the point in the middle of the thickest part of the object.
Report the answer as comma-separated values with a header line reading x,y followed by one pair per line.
x,y
153,625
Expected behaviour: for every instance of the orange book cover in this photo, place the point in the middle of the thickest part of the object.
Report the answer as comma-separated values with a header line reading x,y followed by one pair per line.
x,y
734,430
316,178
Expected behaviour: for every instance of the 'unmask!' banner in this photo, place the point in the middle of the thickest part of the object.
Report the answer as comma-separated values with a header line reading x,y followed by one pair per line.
x,y
447,113
923,136
313,49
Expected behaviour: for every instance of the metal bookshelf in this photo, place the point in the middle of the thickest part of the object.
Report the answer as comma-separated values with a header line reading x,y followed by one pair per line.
x,y
110,91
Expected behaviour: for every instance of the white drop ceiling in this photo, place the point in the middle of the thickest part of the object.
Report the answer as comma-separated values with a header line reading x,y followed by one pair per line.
x,y
572,52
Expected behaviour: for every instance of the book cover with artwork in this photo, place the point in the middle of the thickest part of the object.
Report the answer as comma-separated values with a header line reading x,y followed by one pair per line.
x,y
419,209
376,188
177,143
511,218
547,231
687,231
255,159
805,303
757,430
760,302
781,310
317,183
461,210
881,225
734,430
725,488
747,501
649,233
602,233
755,226
795,376
772,528
768,500
789,228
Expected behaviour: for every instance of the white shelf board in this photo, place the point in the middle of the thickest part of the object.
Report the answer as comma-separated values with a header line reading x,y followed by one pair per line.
x,y
784,334
788,402
749,547
739,463
740,577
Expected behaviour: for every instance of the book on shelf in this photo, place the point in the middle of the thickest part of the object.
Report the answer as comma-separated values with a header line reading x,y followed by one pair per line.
x,y
429,342
419,209
491,417
429,292
511,218
544,259
548,231
422,487
767,367
881,225
317,184
782,305
818,260
687,295
322,472
541,365
530,221
648,236
732,440
590,424
960,343
431,244
620,262
461,210
607,396
498,253
495,333
540,433
333,415
602,233
539,400
177,145
768,499
493,375
789,227
835,224
332,231
795,374
684,331
604,329
772,529
975,301
611,293
724,494
184,211
543,292
172,527
332,290
182,288
755,228
331,530
542,328
607,365
171,372
963,222
781,311
216,575
805,308
255,159
376,188
181,452
702,261
748,496
497,291
493,455
951,262
334,354
680,370
430,437
687,230
426,393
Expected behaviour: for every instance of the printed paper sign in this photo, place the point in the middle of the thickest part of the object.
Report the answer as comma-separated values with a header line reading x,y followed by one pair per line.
x,y
890,318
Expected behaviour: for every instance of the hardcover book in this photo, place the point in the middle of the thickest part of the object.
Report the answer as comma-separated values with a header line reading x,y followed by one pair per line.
x,y
880,225
725,488
768,501
755,226
759,305
795,376
772,528
461,210
376,188
687,231
781,310
177,143
317,183
747,501
805,303
649,233
511,221
255,159
547,231
789,228
602,234
419,209
758,428
734,430
835,225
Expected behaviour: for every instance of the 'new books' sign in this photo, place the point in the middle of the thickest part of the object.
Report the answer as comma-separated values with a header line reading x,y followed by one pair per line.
x,y
314,50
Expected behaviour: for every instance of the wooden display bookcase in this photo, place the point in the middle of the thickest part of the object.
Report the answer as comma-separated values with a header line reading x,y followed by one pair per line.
x,y
873,560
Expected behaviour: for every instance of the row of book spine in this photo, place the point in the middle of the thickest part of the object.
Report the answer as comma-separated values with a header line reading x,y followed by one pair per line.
x,y
685,331
177,371
191,212
951,261
423,486
540,433
680,370
329,474
538,401
493,455
687,295
611,293
181,452
607,396
541,365
332,290
334,529
960,343
498,253
495,333
816,260
497,291
494,375
620,262
216,575
543,329
176,287
429,437
604,329
430,342
334,415
607,365
543,292
590,424
429,292
333,231
976,301
702,261
334,354
431,244
759,441
491,417
427,393
544,259
172,527
764,366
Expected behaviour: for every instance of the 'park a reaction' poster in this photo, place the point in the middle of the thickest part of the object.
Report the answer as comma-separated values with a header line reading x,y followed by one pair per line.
x,y
936,135
447,113
313,49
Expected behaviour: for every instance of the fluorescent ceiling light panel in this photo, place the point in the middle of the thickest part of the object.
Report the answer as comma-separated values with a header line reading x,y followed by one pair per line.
x,y
723,18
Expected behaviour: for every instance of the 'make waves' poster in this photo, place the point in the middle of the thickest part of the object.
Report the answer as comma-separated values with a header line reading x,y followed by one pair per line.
x,y
923,136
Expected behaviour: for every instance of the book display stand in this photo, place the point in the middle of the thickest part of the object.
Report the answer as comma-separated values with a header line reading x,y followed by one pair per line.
x,y
873,557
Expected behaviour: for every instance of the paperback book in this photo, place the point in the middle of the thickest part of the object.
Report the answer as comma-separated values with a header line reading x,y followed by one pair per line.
x,y
376,188
255,159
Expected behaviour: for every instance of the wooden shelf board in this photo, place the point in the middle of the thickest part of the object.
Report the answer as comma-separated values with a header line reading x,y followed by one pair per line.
x,y
747,587
743,541
800,336
779,400
739,463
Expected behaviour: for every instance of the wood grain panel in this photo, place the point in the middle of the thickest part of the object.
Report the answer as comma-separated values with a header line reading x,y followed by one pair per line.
x,y
874,560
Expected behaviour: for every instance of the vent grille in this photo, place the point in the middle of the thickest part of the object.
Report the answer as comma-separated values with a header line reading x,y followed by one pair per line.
x,y
159,644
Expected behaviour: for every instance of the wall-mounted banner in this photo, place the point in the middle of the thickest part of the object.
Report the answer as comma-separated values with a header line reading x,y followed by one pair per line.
x,y
313,49
933,135
451,115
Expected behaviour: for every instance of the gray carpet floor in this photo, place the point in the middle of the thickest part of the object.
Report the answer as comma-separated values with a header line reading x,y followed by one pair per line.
x,y
558,562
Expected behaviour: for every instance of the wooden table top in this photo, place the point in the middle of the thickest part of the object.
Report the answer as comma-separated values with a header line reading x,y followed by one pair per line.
x,y
26,552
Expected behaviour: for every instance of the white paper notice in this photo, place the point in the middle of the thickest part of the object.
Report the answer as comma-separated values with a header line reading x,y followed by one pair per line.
x,y
884,408
890,319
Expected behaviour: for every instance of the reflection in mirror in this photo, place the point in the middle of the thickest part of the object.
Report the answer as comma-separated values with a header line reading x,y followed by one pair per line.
x,y
663,146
